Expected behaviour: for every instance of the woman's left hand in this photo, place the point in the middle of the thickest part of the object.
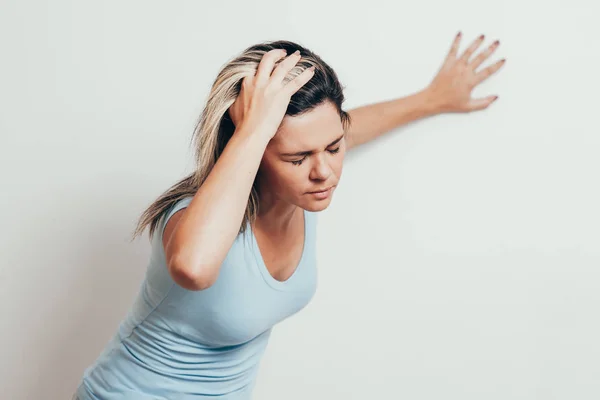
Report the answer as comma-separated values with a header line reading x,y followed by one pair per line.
x,y
452,86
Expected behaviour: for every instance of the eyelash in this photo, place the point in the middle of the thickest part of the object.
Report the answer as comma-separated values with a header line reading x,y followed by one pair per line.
x,y
298,162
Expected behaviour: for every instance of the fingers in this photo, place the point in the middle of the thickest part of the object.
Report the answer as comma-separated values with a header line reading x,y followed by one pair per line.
x,y
285,66
454,47
295,84
265,72
265,67
487,72
469,52
483,56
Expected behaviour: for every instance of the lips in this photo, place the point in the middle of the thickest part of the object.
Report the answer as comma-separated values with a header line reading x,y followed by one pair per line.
x,y
322,190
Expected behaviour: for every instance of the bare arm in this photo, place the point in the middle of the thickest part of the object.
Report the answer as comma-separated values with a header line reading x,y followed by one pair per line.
x,y
449,91
373,120
207,228
204,233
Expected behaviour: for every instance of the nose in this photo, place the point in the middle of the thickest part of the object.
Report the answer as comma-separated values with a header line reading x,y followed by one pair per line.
x,y
321,169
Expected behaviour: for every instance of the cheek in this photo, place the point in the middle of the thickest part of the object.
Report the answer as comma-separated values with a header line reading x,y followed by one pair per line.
x,y
337,164
297,179
289,178
273,174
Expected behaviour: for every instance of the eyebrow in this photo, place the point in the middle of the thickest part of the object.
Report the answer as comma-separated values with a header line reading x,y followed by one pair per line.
x,y
308,152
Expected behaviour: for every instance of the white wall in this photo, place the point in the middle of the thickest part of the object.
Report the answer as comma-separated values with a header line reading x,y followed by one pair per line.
x,y
458,260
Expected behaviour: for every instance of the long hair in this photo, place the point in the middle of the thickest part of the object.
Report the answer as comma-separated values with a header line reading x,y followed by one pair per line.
x,y
214,127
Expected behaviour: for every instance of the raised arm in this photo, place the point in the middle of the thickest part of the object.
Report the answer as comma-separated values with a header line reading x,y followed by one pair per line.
x,y
197,242
449,91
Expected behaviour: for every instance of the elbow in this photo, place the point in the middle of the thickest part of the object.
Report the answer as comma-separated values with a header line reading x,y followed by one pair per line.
x,y
191,276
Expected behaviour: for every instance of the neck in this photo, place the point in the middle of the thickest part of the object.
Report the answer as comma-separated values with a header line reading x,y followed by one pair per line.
x,y
276,216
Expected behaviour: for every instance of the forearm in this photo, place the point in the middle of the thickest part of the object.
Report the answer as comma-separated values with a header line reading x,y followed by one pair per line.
x,y
211,222
373,120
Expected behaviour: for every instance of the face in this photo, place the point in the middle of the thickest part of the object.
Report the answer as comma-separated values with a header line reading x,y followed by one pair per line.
x,y
305,155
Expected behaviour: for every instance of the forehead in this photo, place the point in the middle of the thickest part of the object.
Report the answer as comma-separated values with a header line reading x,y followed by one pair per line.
x,y
311,130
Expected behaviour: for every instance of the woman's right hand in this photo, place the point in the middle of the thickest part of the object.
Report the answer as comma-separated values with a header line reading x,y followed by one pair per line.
x,y
263,98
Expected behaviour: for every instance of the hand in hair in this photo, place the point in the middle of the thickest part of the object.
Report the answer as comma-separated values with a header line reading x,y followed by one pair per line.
x,y
264,98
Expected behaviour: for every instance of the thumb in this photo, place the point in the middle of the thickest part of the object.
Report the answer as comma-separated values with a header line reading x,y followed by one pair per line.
x,y
480,104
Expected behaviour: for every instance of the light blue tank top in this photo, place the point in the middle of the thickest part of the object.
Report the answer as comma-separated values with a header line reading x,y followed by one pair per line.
x,y
181,344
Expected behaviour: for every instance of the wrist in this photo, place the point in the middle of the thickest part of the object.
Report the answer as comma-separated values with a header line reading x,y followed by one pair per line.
x,y
254,132
431,102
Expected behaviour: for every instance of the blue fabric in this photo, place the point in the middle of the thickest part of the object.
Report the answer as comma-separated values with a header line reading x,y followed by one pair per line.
x,y
181,344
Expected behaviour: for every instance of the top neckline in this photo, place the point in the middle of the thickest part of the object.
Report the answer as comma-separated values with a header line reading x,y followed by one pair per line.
x,y
275,283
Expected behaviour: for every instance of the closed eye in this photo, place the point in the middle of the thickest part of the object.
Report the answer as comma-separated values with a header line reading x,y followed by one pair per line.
x,y
332,151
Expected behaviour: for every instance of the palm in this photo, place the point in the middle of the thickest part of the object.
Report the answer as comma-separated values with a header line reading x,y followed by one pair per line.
x,y
454,82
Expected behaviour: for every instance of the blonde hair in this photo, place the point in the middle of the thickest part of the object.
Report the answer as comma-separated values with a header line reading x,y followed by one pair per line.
x,y
214,127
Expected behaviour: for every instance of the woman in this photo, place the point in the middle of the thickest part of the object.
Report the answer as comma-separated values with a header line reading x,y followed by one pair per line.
x,y
233,244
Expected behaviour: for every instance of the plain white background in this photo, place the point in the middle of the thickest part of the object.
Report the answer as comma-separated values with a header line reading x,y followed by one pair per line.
x,y
459,258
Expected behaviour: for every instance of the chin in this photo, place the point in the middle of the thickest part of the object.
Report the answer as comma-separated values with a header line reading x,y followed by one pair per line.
x,y
316,205
320,208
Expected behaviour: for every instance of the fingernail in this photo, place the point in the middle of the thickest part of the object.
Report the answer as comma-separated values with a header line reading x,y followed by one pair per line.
x,y
297,52
495,98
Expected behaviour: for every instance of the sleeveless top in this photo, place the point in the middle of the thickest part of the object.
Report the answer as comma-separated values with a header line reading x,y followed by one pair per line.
x,y
176,343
